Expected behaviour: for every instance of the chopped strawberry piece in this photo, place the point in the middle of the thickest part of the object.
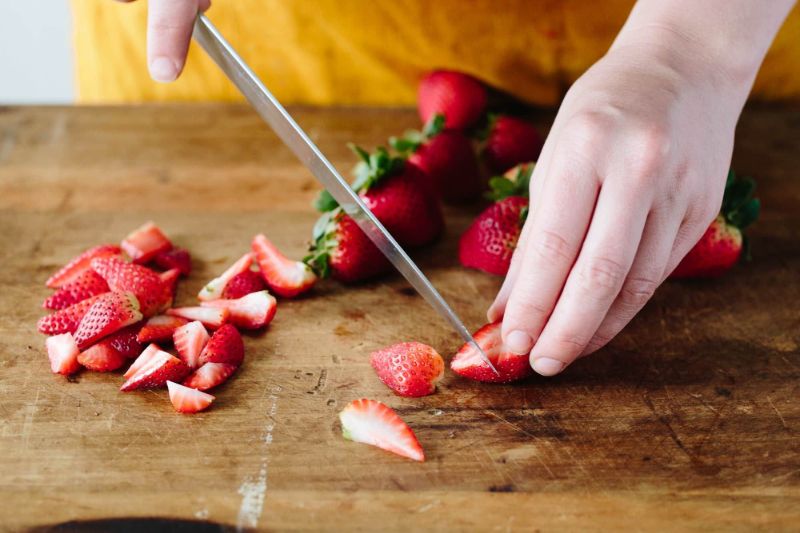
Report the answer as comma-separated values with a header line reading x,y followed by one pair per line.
x,y
253,311
224,346
243,284
126,341
510,366
111,312
210,317
79,264
63,354
209,376
155,373
160,327
86,285
190,339
409,368
146,242
213,290
66,320
283,276
153,294
101,357
176,258
187,400
371,422
170,279
142,360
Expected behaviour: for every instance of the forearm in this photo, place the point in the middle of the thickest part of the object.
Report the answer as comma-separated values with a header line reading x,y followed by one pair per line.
x,y
725,40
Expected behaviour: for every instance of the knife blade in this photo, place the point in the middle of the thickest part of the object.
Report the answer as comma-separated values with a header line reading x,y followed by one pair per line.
x,y
293,136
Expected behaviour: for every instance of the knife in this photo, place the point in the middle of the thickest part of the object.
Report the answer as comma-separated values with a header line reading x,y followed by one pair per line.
x,y
274,114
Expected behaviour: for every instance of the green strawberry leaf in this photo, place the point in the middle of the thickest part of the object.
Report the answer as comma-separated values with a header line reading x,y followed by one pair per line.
x,y
374,167
523,215
502,187
404,145
325,202
434,126
745,215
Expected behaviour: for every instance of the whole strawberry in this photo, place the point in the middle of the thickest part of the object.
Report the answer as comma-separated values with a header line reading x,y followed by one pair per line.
x,y
489,242
459,97
721,245
509,141
409,368
342,250
446,157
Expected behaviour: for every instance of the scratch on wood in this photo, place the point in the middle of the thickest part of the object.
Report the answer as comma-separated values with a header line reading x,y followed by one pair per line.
x,y
780,416
539,459
323,378
30,412
254,488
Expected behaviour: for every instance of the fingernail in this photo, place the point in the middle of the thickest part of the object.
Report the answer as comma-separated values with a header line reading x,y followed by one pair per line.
x,y
163,69
545,366
519,342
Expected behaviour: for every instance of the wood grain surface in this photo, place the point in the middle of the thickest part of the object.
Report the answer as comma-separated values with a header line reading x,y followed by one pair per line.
x,y
689,420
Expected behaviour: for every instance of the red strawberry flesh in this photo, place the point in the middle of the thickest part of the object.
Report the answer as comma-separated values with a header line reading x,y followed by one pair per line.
x,y
190,339
409,368
210,375
63,354
188,400
285,277
111,312
86,285
510,366
210,317
254,311
371,422
144,243
224,346
155,373
77,265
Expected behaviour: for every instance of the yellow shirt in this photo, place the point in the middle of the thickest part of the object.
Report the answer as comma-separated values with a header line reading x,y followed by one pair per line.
x,y
374,51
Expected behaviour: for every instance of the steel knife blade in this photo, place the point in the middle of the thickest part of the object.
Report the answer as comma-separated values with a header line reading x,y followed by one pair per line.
x,y
281,122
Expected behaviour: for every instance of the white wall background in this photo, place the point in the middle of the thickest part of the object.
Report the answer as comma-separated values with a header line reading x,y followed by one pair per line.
x,y
36,58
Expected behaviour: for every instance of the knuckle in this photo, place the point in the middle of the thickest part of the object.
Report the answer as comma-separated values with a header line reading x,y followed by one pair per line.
x,y
602,276
637,291
652,147
523,310
570,342
552,247
587,126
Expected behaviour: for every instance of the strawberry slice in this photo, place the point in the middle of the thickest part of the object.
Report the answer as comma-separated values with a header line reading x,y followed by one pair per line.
x,y
153,294
371,422
409,368
209,376
224,346
283,276
213,290
170,279
126,341
86,285
243,284
190,339
63,354
160,327
155,373
111,312
187,400
510,366
66,320
146,242
101,357
176,258
79,264
253,311
210,317
142,360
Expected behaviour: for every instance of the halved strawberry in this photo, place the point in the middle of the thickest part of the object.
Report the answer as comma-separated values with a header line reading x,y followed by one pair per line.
x,y
409,368
86,285
243,284
142,360
126,341
510,366
187,400
146,242
66,320
111,312
283,276
209,376
63,354
170,279
371,422
176,258
190,339
79,264
155,373
224,346
253,311
101,357
210,317
160,327
153,294
213,290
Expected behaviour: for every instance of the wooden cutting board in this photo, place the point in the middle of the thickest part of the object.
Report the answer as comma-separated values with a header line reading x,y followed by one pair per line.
x,y
690,419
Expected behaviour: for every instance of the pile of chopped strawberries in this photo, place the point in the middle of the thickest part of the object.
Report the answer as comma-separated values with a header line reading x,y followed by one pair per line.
x,y
113,306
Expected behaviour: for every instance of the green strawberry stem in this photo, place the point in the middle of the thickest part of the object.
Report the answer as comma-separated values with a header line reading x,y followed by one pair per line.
x,y
503,187
739,207
413,139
